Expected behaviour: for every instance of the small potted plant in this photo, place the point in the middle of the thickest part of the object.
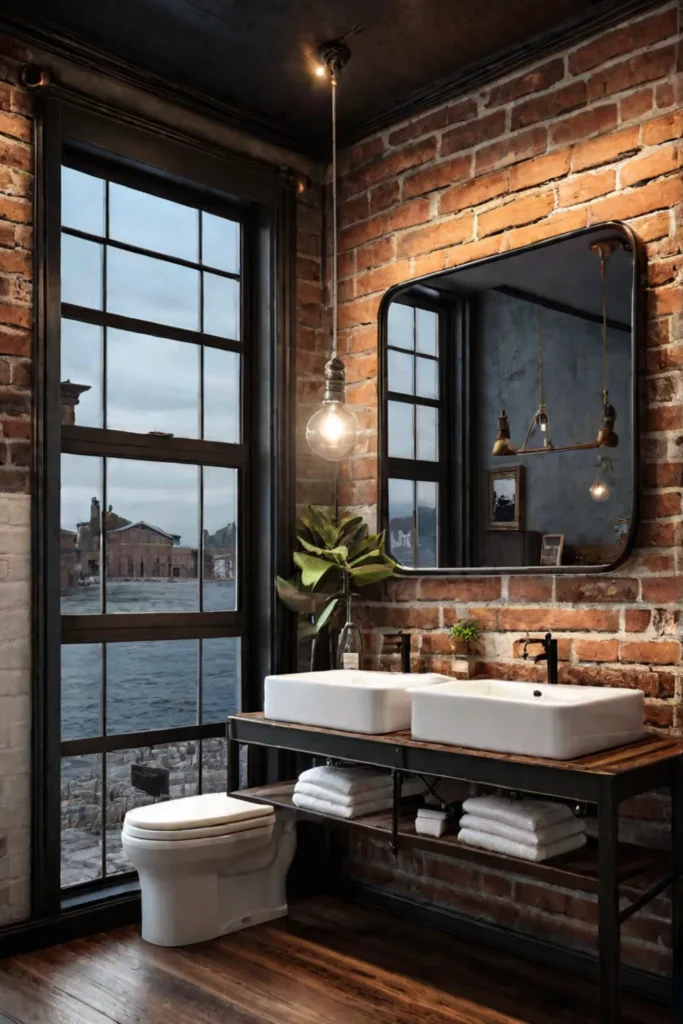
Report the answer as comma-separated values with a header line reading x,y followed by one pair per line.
x,y
465,636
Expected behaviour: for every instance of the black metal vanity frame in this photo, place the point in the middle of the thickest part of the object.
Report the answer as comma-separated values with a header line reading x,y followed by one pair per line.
x,y
605,780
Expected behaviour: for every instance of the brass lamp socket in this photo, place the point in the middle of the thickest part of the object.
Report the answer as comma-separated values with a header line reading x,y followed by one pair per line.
x,y
502,445
335,381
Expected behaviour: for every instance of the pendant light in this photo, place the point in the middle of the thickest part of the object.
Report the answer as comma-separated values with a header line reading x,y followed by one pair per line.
x,y
332,430
600,489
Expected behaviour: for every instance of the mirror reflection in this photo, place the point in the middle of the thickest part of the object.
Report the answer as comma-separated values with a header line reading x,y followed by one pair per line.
x,y
507,417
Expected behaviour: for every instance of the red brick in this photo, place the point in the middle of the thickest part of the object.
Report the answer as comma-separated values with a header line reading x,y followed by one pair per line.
x,y
665,161
633,36
658,535
662,129
665,94
564,649
596,589
530,588
404,616
365,231
363,151
596,120
434,121
15,428
471,251
19,316
473,134
551,104
605,150
659,685
435,236
408,214
661,302
569,220
14,480
485,588
637,620
539,171
643,68
568,619
360,311
354,209
473,193
582,187
438,176
15,342
376,253
519,211
384,196
660,272
663,417
636,105
596,650
436,643
659,715
520,146
666,590
656,195
15,154
401,589
392,164
536,80
650,652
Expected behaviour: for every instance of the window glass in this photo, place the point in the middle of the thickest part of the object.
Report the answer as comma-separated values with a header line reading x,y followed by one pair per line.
x,y
427,525
401,520
79,548
83,202
152,384
81,374
427,378
401,372
81,816
214,765
81,272
401,326
401,426
81,690
427,439
150,222
222,395
152,290
220,243
427,328
151,684
221,306
221,678
220,539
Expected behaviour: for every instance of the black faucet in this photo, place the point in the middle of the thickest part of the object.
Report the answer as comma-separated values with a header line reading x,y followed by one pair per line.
x,y
549,645
399,642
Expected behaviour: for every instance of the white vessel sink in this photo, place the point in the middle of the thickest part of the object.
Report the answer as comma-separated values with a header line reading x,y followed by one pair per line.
x,y
348,700
559,722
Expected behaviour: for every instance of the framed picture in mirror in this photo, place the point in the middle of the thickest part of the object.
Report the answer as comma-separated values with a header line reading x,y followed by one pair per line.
x,y
506,498
552,546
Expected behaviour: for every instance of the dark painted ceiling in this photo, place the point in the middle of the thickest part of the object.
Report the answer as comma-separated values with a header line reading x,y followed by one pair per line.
x,y
259,55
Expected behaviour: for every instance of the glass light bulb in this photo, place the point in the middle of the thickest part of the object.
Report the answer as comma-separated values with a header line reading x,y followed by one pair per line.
x,y
331,432
544,426
320,70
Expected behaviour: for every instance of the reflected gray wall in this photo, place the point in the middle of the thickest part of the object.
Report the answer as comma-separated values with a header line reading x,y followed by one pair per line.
x,y
557,485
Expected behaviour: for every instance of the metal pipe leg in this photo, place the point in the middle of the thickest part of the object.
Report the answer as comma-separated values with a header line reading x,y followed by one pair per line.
x,y
396,779
609,929
233,764
677,888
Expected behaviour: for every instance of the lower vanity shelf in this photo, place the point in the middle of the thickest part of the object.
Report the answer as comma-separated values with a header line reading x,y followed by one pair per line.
x,y
577,870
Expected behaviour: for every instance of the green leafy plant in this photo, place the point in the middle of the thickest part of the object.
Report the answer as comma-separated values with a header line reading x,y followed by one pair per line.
x,y
336,556
467,631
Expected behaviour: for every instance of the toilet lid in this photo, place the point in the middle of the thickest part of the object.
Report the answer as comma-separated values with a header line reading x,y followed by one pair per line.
x,y
192,812
236,828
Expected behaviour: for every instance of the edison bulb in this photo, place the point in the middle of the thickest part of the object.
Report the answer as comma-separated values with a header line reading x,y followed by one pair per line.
x,y
332,431
600,490
320,71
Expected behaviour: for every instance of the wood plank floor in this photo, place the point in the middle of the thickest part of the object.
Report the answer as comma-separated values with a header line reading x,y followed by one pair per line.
x,y
328,963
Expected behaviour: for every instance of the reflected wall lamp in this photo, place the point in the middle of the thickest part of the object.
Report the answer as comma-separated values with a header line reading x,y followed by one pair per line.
x,y
606,437
600,488
332,430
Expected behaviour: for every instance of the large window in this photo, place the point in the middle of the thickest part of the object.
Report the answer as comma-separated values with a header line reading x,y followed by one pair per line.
x,y
154,340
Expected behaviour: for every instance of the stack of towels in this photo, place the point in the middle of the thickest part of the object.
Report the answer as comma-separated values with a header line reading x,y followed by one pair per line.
x,y
532,829
348,792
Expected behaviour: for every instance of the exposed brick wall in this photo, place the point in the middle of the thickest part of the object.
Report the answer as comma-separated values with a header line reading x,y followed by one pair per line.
x,y
581,137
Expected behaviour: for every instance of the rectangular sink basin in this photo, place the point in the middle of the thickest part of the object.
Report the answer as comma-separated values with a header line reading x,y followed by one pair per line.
x,y
559,722
344,699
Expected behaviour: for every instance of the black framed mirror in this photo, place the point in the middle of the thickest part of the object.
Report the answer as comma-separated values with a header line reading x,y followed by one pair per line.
x,y
508,427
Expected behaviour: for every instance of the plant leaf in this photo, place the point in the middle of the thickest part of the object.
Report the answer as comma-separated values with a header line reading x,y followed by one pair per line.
x,y
367,554
313,569
338,555
323,525
372,572
326,613
294,597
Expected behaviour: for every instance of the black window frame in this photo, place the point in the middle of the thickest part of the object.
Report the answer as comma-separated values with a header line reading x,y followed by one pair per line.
x,y
263,198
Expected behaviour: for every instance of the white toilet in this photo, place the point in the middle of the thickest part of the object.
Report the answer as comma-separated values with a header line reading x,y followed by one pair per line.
x,y
208,865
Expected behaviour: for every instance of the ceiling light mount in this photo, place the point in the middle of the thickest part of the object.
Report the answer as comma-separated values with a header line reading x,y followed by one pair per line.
x,y
335,55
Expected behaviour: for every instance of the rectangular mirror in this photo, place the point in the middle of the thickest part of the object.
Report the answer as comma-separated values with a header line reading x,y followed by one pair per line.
x,y
508,429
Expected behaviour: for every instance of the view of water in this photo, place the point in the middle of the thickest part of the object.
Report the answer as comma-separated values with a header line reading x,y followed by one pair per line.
x,y
149,684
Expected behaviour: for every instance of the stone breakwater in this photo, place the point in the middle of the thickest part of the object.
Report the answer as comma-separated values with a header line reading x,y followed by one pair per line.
x,y
81,798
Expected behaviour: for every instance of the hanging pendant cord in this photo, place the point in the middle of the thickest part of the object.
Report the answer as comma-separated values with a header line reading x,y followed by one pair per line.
x,y
603,276
333,77
540,362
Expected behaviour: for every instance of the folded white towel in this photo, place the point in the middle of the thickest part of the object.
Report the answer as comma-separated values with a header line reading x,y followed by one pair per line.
x,y
431,812
357,799
430,826
543,837
310,803
498,844
345,780
528,814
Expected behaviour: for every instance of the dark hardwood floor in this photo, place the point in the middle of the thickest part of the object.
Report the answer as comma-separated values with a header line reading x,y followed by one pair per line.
x,y
329,963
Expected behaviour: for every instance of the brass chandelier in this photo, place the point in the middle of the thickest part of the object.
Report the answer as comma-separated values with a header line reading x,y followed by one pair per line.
x,y
606,436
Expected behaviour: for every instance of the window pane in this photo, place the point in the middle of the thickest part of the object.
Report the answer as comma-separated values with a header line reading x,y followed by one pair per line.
x,y
220,243
152,536
81,272
150,289
172,768
82,202
152,384
81,356
151,684
149,222
79,558
401,372
427,441
401,509
220,539
222,307
81,690
214,765
81,814
401,326
221,678
222,413
427,378
427,523
427,332
401,430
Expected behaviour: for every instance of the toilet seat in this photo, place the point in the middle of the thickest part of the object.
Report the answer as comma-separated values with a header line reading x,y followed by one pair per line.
x,y
195,815
176,834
